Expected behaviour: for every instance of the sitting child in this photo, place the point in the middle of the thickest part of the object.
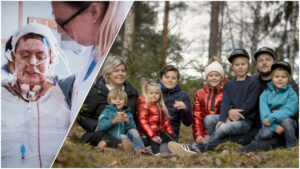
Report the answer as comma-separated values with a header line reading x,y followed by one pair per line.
x,y
117,120
239,94
153,118
207,102
278,104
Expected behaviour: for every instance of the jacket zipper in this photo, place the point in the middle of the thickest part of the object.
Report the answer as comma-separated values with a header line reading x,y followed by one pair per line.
x,y
158,117
212,105
208,101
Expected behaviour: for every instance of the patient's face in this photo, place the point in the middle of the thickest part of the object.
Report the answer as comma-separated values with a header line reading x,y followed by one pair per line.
x,y
32,61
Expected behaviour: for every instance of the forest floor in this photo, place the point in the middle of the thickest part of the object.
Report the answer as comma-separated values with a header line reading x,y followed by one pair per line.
x,y
77,155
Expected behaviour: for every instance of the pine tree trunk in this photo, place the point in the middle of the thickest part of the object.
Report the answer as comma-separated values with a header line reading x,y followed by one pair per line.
x,y
220,43
293,36
165,34
128,29
214,27
255,34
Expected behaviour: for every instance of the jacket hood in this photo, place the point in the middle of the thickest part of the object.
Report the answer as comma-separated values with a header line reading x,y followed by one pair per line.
x,y
166,90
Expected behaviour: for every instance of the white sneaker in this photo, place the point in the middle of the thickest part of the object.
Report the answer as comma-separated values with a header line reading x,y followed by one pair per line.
x,y
181,150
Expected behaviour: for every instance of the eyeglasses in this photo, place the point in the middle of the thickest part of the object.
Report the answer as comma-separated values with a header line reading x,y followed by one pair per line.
x,y
62,25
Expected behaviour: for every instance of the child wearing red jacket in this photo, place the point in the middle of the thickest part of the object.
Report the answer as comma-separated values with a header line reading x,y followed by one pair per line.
x,y
153,119
207,102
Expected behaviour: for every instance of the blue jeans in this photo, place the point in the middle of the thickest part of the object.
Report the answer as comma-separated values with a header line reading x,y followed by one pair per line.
x,y
230,129
210,122
289,126
133,136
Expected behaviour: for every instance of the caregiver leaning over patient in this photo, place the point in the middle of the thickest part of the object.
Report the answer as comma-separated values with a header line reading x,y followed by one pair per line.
x,y
94,24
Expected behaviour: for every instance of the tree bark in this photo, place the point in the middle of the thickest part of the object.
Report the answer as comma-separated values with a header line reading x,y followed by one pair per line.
x,y
293,36
214,27
220,43
165,33
255,34
128,30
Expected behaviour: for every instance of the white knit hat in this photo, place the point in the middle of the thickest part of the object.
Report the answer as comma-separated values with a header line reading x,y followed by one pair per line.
x,y
214,66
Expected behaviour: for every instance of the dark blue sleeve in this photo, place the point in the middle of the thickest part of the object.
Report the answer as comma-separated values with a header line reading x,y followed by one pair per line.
x,y
186,115
226,102
252,97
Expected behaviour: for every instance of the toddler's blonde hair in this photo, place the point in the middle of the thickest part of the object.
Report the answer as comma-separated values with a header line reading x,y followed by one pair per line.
x,y
145,86
117,93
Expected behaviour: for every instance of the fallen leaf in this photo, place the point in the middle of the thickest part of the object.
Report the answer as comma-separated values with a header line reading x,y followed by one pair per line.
x,y
218,162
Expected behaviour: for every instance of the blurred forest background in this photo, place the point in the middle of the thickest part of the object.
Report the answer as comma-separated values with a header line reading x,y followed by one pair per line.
x,y
155,34
187,34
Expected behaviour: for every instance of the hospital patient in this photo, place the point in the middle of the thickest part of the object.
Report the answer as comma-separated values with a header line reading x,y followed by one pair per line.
x,y
35,117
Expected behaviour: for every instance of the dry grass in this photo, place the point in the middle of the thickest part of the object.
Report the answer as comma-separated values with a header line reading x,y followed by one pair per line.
x,y
74,154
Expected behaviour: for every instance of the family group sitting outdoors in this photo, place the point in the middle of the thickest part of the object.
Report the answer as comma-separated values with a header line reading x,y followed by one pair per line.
x,y
258,112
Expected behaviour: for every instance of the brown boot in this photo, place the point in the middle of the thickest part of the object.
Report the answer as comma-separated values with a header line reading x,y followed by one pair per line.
x,y
126,146
101,145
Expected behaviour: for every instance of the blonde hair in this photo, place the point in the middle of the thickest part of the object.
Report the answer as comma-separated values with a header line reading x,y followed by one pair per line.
x,y
117,93
286,72
110,25
109,66
145,86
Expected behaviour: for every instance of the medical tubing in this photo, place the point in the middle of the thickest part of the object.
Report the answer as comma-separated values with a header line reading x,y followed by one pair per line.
x,y
39,140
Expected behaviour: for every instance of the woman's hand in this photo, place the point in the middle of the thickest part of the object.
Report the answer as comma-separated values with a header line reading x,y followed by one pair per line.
x,y
179,105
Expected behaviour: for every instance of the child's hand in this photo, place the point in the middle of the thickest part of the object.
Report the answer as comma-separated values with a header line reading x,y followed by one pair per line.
x,y
179,105
267,123
227,120
117,119
155,139
219,124
126,119
274,111
279,130
200,139
235,114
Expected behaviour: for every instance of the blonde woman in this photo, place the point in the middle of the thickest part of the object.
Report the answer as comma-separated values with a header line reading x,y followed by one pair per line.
x,y
113,75
89,23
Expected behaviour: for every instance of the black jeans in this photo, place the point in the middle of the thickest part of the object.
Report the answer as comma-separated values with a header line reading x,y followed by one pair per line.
x,y
165,137
95,137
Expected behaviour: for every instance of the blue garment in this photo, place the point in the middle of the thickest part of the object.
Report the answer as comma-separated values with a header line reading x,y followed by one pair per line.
x,y
170,95
240,95
92,65
106,117
285,100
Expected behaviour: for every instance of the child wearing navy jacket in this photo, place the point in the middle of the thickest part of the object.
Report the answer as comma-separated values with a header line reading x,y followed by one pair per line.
x,y
239,94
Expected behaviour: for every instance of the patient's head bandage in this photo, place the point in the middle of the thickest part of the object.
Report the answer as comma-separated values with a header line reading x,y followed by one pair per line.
x,y
39,29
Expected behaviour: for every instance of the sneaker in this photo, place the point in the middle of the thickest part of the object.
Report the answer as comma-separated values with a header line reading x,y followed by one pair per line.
x,y
126,146
181,150
101,145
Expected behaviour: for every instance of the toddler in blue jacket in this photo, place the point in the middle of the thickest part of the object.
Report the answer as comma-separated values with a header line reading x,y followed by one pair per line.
x,y
278,104
117,120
